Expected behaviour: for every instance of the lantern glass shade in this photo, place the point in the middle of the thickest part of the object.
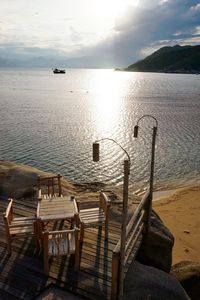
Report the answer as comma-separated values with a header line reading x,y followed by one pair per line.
x,y
135,131
95,152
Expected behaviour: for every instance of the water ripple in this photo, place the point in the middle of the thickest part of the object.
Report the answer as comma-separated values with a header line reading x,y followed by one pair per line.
x,y
47,126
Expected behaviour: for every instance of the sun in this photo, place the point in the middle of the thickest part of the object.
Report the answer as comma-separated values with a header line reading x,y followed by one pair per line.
x,y
112,8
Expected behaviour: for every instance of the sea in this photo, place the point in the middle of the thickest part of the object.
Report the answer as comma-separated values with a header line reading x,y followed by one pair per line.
x,y
50,121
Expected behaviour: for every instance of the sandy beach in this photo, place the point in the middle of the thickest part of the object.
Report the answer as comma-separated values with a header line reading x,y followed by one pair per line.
x,y
179,210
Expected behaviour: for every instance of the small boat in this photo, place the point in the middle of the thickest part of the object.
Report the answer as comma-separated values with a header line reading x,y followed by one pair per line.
x,y
58,71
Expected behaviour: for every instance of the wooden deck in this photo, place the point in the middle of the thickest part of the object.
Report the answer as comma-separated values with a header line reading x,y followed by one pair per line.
x,y
21,274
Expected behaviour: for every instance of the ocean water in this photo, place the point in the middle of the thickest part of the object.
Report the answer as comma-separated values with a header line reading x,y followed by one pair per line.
x,y
50,122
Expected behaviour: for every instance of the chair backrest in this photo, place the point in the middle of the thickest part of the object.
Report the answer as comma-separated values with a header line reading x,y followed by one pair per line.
x,y
8,215
103,202
49,186
60,242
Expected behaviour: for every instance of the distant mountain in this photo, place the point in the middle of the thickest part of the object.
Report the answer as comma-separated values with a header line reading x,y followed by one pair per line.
x,y
177,59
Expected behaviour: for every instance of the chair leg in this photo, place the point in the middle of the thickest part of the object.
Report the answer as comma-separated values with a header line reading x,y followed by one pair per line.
x,y
76,220
37,238
46,265
77,263
106,230
77,252
9,248
77,260
40,226
82,232
45,253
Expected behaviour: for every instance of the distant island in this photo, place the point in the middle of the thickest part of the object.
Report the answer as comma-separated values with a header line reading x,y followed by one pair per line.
x,y
176,59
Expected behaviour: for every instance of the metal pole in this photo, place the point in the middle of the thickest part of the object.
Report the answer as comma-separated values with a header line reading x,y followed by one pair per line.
x,y
152,158
149,205
120,281
123,229
151,175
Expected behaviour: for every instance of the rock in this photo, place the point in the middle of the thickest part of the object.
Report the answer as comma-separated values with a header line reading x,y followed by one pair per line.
x,y
145,282
20,181
16,179
188,274
156,248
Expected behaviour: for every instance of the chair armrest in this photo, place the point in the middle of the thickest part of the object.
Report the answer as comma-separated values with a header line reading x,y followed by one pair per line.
x,y
8,210
38,208
104,202
39,194
76,205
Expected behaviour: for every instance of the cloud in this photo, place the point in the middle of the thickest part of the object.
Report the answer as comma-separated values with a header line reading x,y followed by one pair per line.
x,y
195,8
197,30
150,26
138,32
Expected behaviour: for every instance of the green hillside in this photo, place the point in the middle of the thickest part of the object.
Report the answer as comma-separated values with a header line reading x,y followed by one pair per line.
x,y
177,59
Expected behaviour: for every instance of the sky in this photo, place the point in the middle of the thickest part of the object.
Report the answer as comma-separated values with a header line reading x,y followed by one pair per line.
x,y
93,33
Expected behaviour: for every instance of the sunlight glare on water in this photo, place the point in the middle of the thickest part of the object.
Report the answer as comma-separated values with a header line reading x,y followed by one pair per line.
x,y
107,103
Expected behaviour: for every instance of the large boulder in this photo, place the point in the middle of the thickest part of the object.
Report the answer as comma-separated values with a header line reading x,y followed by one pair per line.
x,y
156,248
15,180
188,274
145,282
20,181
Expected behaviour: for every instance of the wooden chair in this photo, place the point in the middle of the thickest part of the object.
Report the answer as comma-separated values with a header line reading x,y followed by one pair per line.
x,y
94,216
49,187
18,227
61,242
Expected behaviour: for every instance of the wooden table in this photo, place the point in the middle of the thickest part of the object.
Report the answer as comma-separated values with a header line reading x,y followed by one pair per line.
x,y
56,208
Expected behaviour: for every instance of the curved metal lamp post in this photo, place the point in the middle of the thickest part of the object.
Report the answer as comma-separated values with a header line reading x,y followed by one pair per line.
x,y
152,155
125,205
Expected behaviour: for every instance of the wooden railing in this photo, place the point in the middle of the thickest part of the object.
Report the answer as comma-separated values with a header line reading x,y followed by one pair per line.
x,y
135,230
